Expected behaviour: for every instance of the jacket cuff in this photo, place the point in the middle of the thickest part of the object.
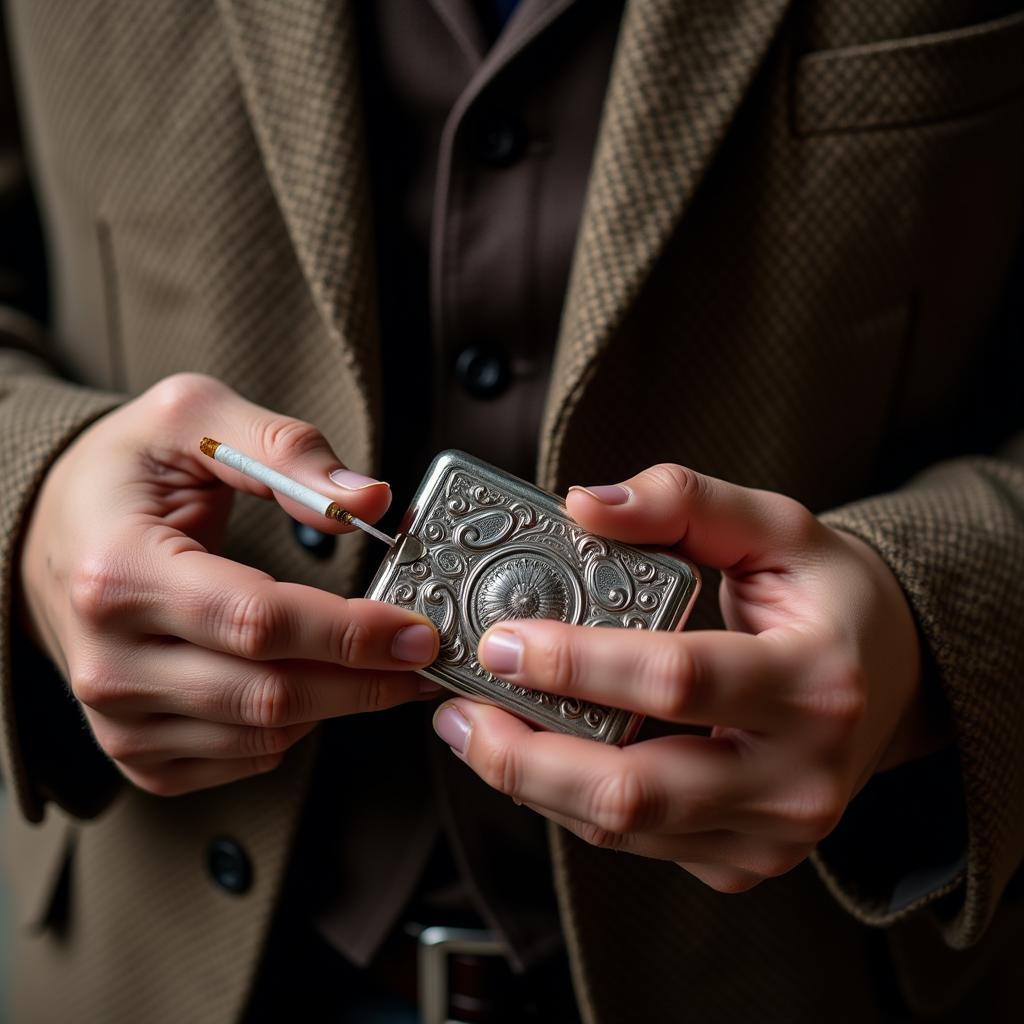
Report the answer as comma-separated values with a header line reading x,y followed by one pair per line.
x,y
902,843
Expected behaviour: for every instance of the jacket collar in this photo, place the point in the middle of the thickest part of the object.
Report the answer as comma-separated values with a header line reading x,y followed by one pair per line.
x,y
299,72
681,69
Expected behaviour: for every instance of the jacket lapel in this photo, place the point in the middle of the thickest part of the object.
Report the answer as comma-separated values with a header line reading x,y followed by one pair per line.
x,y
299,71
681,69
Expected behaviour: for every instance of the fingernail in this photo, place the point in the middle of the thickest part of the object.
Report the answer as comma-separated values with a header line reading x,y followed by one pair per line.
x,y
353,481
452,727
502,653
413,643
607,494
428,688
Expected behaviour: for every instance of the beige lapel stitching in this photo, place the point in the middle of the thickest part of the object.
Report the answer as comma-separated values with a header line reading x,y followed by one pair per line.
x,y
298,67
680,72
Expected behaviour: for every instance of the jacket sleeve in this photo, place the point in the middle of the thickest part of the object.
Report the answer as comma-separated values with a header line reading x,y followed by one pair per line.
x,y
46,750
954,538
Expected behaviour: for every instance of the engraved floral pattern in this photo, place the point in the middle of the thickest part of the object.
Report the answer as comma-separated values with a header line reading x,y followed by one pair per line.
x,y
521,588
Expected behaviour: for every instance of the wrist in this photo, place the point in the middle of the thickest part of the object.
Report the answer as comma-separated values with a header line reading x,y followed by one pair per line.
x,y
899,658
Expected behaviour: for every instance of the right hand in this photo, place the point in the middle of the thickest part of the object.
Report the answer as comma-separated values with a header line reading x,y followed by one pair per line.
x,y
194,670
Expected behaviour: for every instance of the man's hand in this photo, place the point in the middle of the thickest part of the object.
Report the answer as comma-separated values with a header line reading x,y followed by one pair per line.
x,y
813,688
194,670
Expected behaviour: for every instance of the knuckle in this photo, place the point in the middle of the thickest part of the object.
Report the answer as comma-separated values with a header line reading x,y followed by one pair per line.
x,y
680,483
840,703
848,696
672,682
563,668
376,693
602,838
270,703
774,865
158,783
288,438
179,394
260,743
98,591
845,710
124,745
793,525
92,685
251,627
105,736
817,810
802,526
353,642
499,768
731,883
262,765
619,802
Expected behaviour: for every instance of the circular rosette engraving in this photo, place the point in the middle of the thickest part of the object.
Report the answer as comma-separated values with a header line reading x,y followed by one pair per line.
x,y
521,588
522,584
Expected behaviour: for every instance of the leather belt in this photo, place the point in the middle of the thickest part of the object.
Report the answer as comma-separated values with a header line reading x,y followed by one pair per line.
x,y
438,974
459,975
452,972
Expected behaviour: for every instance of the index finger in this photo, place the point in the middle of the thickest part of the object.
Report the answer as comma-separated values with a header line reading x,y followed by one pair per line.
x,y
714,522
225,606
709,677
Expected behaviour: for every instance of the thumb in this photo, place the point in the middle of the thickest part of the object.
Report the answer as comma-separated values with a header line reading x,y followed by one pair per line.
x,y
710,521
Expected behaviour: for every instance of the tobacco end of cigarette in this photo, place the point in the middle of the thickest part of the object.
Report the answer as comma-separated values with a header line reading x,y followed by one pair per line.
x,y
209,447
335,511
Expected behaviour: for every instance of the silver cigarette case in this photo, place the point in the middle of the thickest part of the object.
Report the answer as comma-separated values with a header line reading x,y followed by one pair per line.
x,y
492,547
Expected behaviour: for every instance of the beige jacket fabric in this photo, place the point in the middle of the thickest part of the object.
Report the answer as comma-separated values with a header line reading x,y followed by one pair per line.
x,y
794,271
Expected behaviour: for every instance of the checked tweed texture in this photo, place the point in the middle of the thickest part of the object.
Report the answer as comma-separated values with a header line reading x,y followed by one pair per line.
x,y
792,272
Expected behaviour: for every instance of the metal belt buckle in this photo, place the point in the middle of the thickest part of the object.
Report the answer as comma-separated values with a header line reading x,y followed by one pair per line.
x,y
435,944
493,547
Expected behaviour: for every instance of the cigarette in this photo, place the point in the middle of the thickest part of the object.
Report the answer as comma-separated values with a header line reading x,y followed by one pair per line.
x,y
285,485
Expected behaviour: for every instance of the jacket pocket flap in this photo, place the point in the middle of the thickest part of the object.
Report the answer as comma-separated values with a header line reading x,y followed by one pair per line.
x,y
909,81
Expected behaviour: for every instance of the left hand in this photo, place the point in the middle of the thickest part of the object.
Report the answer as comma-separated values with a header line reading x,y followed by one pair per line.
x,y
814,687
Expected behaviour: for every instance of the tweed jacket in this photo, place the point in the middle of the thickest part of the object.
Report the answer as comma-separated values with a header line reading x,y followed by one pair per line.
x,y
794,270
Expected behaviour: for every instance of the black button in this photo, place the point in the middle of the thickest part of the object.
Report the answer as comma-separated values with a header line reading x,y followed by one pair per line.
x,y
229,865
497,139
319,545
482,372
